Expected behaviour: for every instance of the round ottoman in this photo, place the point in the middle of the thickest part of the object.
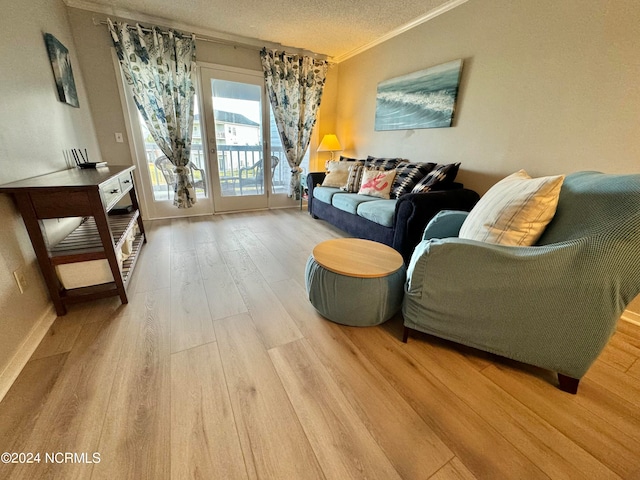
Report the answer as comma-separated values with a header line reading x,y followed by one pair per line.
x,y
355,282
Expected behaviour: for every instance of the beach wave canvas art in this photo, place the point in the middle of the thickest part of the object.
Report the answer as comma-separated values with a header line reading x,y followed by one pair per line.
x,y
424,99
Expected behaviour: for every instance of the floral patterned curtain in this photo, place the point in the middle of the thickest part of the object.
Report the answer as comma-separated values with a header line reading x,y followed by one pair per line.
x,y
159,66
295,85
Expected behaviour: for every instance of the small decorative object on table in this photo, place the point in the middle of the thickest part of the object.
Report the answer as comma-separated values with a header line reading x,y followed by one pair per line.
x,y
82,159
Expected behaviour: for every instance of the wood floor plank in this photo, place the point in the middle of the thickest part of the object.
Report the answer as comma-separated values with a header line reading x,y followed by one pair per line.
x,y
592,433
21,406
204,439
204,228
182,235
615,381
290,257
267,264
619,354
135,437
191,323
630,330
634,370
72,418
341,442
454,470
220,288
554,453
413,448
153,269
273,323
60,337
472,439
272,439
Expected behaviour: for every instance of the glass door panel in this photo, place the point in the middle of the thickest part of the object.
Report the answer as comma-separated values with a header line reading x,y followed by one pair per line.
x,y
156,187
237,113
236,127
161,171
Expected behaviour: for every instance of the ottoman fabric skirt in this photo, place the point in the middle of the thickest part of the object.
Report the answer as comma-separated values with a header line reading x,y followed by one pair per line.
x,y
354,301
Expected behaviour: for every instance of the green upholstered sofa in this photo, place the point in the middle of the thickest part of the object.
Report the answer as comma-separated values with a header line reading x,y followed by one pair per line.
x,y
554,305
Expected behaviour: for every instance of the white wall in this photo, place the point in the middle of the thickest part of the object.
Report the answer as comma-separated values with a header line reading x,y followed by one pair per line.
x,y
549,86
35,128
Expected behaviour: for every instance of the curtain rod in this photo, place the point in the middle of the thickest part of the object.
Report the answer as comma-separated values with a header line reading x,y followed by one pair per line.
x,y
220,41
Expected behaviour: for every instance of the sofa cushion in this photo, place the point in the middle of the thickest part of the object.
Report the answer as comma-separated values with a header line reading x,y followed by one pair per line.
x,y
407,175
324,194
515,211
378,211
348,202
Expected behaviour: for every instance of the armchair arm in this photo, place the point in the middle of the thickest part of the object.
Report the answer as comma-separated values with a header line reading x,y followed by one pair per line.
x,y
445,224
544,306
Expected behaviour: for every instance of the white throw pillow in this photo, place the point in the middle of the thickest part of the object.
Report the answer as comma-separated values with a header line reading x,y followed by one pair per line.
x,y
515,211
338,173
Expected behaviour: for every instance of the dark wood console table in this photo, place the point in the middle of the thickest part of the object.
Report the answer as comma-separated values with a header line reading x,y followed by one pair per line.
x,y
91,194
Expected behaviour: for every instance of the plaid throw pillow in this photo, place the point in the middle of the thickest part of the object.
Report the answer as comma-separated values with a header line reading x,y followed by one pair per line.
x,y
437,178
382,163
407,175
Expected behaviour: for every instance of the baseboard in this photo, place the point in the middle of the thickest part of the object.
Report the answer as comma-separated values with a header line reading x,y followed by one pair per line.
x,y
631,317
26,349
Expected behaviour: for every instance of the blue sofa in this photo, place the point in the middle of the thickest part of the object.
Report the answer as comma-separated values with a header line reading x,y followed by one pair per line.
x,y
398,223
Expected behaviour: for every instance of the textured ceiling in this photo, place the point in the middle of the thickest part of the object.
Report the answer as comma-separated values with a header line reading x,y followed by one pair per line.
x,y
329,27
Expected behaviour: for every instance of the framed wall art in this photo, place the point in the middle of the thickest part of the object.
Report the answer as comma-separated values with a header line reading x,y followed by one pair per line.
x,y
424,99
62,72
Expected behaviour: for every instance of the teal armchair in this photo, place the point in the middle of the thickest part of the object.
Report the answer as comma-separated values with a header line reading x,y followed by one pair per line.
x,y
554,305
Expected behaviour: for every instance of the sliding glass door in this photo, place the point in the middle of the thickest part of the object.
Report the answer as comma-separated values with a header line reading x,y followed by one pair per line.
x,y
248,166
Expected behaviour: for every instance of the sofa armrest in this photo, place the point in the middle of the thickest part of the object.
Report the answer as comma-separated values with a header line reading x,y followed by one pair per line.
x,y
313,179
415,210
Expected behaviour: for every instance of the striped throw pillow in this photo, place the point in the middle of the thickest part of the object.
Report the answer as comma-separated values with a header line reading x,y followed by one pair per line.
x,y
515,211
355,178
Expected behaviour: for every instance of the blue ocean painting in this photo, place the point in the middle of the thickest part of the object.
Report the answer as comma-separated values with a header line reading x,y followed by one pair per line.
x,y
424,99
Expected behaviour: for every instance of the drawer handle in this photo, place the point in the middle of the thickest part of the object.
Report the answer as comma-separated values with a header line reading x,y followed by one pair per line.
x,y
115,190
126,181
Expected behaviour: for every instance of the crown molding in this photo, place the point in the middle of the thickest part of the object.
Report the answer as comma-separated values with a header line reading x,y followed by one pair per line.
x,y
401,29
248,42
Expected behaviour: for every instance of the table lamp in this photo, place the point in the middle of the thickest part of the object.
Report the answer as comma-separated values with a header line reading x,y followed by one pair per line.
x,y
329,143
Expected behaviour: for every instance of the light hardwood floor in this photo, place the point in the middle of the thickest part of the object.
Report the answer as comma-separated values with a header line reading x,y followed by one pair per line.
x,y
219,368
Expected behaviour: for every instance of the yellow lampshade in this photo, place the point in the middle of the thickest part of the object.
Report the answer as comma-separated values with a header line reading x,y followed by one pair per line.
x,y
329,143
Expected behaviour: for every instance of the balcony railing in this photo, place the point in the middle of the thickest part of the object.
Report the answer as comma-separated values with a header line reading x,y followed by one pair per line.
x,y
239,168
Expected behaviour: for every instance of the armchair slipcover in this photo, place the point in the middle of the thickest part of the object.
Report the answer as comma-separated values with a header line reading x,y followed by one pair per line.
x,y
554,305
